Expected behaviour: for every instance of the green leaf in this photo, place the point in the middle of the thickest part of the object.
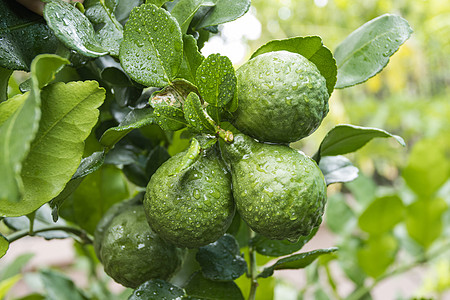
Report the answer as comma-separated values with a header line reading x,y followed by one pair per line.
x,y
156,158
58,286
366,51
348,249
170,118
428,167
124,7
337,169
73,28
24,36
151,50
296,261
98,192
157,289
216,80
7,284
90,164
269,247
69,112
185,10
363,190
137,118
56,202
42,219
310,47
199,287
19,117
196,116
4,245
345,138
265,290
4,79
15,267
382,215
424,220
221,260
377,254
192,59
101,14
224,11
339,216
191,156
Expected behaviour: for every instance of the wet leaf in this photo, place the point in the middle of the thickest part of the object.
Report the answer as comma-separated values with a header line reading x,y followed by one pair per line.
x,y
310,47
73,28
185,10
192,59
157,289
191,156
4,78
366,51
222,260
224,11
296,261
196,115
151,48
199,287
156,158
337,169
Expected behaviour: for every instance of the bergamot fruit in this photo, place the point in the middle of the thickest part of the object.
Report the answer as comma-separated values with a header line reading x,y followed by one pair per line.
x,y
130,251
282,97
279,191
194,207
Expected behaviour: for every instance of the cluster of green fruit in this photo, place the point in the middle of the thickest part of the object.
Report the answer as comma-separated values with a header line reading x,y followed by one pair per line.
x,y
277,190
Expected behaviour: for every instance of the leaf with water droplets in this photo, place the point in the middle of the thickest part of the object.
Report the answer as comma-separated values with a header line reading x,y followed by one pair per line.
x,y
216,80
185,10
156,289
270,247
310,47
366,51
110,32
224,11
196,115
296,261
158,3
169,117
191,156
73,28
337,169
192,59
151,50
222,260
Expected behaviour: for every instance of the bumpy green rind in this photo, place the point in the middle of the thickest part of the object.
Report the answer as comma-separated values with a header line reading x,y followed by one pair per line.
x,y
282,97
131,252
194,207
279,191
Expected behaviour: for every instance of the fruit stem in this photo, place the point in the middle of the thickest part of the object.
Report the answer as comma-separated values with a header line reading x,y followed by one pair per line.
x,y
253,267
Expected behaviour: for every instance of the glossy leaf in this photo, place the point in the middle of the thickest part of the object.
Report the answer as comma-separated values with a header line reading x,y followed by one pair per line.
x,y
156,158
20,117
191,156
265,290
296,261
98,192
310,47
269,247
199,287
428,167
337,169
216,80
90,164
224,11
382,215
58,286
157,289
124,7
424,220
73,28
339,216
366,51
170,118
196,115
69,111
345,138
137,118
221,260
192,59
4,78
24,36
101,14
185,10
4,245
151,48
42,219
377,254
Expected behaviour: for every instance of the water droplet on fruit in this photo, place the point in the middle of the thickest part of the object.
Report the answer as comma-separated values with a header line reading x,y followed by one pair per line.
x,y
196,194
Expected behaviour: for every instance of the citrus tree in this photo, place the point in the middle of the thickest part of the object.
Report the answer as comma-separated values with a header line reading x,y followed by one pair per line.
x,y
175,167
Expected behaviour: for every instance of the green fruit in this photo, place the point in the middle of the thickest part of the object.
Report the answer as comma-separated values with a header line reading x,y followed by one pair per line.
x,y
279,191
194,207
130,251
282,97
